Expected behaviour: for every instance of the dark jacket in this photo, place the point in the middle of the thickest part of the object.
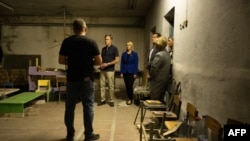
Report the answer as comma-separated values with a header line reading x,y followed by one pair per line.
x,y
159,74
129,64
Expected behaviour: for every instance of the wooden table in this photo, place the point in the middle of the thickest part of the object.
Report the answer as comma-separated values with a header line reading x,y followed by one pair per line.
x,y
7,91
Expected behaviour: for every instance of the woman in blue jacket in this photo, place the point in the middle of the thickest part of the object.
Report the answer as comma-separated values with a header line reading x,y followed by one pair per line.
x,y
129,69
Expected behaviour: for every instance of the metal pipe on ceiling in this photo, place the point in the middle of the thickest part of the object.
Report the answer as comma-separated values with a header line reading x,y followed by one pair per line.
x,y
5,5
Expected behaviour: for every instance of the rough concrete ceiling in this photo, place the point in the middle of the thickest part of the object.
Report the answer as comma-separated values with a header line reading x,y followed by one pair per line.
x,y
76,8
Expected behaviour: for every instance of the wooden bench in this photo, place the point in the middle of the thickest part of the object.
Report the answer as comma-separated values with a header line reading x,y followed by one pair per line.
x,y
15,104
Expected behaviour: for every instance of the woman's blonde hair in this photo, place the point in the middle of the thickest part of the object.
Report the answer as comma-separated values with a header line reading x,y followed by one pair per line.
x,y
161,42
131,44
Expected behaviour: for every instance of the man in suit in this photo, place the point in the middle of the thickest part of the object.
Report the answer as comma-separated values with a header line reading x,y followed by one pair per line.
x,y
153,50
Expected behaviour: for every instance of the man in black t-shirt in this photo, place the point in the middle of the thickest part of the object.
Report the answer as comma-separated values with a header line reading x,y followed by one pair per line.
x,y
80,54
1,55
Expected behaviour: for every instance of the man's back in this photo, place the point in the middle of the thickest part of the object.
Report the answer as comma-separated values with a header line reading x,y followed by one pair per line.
x,y
80,54
80,51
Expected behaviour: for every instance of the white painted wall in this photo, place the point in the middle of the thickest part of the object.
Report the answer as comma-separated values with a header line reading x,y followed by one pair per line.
x,y
211,55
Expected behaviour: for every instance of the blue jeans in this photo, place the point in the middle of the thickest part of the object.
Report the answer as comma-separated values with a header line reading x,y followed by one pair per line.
x,y
84,91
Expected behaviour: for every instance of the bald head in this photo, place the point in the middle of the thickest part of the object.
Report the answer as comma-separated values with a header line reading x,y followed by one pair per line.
x,y
79,26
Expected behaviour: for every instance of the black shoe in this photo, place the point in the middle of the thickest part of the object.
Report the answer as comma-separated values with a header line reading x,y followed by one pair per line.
x,y
112,104
70,137
101,103
93,137
129,102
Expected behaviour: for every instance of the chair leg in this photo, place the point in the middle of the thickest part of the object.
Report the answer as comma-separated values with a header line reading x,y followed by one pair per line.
x,y
151,131
137,113
143,112
59,97
141,120
162,123
48,96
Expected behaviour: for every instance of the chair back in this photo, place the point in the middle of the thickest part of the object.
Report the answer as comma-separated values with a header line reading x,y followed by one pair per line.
x,y
145,78
171,92
191,112
231,121
176,106
43,85
215,128
142,91
61,79
61,83
173,87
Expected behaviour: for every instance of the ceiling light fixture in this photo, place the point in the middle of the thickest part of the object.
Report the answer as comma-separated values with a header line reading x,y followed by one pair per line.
x,y
6,6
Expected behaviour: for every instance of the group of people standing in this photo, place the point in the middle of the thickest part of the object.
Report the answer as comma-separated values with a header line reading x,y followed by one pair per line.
x,y
81,54
160,66
128,68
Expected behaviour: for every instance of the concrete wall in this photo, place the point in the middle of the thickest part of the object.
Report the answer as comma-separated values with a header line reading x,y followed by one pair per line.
x,y
46,41
44,35
211,55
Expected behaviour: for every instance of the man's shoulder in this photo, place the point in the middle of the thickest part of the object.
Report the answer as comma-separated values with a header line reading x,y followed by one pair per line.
x,y
73,37
69,38
113,46
88,38
104,47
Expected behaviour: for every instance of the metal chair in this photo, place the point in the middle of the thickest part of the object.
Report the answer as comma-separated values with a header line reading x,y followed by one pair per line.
x,y
168,106
61,85
142,91
162,133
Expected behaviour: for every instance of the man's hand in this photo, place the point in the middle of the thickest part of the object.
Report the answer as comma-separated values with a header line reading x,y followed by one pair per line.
x,y
104,65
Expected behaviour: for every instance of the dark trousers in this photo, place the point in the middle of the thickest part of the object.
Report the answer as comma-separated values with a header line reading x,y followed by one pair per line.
x,y
129,83
83,90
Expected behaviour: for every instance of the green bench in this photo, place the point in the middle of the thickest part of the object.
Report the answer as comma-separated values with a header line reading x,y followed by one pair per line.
x,y
16,103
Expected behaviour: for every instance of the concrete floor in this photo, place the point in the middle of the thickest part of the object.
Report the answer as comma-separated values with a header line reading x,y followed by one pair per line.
x,y
44,122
